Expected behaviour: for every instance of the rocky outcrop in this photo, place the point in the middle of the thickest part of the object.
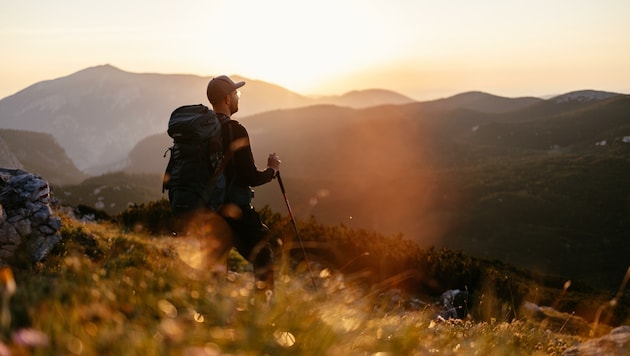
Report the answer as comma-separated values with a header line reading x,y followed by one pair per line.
x,y
552,319
617,342
29,228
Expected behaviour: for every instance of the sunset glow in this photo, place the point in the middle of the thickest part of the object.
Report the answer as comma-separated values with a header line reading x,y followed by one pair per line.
x,y
421,49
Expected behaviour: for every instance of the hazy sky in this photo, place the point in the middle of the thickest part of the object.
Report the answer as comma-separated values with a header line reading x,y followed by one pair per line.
x,y
424,49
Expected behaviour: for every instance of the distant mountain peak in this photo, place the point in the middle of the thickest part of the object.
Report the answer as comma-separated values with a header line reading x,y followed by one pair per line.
x,y
103,69
366,98
584,96
474,93
371,91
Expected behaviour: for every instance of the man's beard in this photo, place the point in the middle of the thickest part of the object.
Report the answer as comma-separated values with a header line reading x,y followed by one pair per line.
x,y
233,108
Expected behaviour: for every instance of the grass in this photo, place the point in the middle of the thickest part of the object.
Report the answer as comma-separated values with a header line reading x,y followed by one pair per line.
x,y
107,290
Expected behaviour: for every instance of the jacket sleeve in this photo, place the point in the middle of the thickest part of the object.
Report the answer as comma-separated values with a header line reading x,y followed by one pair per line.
x,y
245,171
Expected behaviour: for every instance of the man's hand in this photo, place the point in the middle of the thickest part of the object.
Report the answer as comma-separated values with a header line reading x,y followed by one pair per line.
x,y
273,162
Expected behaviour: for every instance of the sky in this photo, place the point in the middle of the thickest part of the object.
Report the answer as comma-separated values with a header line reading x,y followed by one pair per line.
x,y
423,49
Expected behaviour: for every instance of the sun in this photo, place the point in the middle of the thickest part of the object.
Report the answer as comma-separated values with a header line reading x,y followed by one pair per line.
x,y
296,45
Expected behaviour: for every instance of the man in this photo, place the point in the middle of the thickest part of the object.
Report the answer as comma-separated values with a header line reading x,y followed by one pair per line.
x,y
250,234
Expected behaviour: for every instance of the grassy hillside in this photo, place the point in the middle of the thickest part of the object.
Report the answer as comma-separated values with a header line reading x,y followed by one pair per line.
x,y
116,289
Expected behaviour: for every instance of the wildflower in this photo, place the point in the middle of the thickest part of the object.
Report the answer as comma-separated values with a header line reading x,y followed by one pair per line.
x,y
30,337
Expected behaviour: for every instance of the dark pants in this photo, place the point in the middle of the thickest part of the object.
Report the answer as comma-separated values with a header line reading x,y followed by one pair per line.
x,y
250,238
249,234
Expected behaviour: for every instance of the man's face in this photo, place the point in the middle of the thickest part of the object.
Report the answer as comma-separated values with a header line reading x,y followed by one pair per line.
x,y
233,103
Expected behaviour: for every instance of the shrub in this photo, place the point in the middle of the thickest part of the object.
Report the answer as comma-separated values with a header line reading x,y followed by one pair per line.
x,y
154,217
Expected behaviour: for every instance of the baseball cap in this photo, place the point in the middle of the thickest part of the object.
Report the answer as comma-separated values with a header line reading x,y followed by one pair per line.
x,y
221,86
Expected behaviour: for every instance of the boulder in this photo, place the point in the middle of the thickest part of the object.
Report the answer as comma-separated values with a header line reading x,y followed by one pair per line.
x,y
454,304
552,319
29,227
617,342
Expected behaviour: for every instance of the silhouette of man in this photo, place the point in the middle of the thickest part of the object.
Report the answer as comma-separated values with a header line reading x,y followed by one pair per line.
x,y
250,233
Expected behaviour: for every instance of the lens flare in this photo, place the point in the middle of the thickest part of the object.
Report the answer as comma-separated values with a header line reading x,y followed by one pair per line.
x,y
284,338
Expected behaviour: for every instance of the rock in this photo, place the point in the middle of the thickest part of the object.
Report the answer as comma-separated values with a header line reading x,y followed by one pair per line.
x,y
23,227
54,223
617,342
454,304
28,225
8,234
552,319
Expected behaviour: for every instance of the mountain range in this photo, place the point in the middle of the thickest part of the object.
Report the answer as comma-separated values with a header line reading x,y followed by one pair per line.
x,y
537,183
98,114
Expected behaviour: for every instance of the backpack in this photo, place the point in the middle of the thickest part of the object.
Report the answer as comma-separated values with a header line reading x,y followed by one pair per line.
x,y
194,173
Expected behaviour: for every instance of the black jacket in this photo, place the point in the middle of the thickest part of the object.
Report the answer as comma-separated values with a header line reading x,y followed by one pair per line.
x,y
240,172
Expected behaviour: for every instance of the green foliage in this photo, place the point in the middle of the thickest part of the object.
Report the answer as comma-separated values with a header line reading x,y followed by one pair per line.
x,y
154,217
386,262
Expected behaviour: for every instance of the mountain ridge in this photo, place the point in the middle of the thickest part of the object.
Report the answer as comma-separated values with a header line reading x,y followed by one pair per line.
x,y
38,153
99,124
584,95
99,113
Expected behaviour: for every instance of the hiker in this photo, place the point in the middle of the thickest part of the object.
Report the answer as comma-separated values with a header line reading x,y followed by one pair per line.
x,y
250,235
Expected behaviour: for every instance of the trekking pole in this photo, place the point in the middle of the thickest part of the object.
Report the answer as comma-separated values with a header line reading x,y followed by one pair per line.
x,y
297,233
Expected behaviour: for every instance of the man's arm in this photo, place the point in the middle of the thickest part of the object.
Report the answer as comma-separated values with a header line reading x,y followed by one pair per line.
x,y
246,172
